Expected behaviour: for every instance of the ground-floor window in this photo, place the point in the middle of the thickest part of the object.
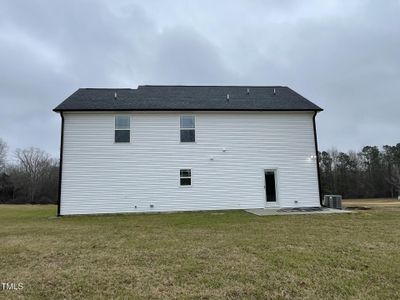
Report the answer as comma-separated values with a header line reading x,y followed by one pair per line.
x,y
185,177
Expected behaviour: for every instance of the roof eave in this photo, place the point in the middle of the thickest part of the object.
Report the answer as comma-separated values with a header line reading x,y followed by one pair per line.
x,y
57,110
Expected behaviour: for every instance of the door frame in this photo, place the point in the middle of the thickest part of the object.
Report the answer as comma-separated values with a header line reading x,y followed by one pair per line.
x,y
276,172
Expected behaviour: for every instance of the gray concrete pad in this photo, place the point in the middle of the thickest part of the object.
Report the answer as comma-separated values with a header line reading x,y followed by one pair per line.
x,y
278,212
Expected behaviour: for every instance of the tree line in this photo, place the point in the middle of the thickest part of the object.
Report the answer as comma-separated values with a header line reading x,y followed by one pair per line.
x,y
31,176
372,172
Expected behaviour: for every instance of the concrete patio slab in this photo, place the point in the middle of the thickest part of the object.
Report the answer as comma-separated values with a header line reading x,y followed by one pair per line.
x,y
281,212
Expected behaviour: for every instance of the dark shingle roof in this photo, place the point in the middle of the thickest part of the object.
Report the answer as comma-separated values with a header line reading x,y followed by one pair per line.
x,y
189,98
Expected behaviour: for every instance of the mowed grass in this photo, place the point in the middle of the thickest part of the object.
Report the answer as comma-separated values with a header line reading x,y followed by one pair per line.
x,y
200,255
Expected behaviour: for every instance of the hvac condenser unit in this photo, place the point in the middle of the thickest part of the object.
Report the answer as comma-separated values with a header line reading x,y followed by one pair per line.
x,y
333,201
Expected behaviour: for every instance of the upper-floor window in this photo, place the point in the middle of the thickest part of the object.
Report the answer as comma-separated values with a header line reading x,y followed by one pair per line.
x,y
188,129
122,129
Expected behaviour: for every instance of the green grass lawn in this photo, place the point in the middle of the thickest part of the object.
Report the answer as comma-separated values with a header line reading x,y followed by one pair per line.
x,y
200,255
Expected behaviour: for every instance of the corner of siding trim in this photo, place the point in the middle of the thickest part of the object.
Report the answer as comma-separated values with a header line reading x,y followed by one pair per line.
x,y
60,167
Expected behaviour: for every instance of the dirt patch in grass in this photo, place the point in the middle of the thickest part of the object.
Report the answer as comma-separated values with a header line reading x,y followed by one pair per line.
x,y
200,255
358,207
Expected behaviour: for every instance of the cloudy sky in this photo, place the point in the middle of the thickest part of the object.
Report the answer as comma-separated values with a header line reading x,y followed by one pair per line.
x,y
342,55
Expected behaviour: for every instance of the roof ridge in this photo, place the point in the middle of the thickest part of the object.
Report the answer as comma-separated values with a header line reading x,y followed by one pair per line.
x,y
188,86
107,89
238,86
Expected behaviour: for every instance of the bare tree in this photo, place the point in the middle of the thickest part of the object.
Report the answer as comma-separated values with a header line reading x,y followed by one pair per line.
x,y
3,154
34,163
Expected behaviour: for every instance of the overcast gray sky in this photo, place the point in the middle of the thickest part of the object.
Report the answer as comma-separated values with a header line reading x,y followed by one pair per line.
x,y
342,55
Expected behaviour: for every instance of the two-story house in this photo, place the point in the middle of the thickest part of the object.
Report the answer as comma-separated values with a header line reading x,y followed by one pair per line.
x,y
182,148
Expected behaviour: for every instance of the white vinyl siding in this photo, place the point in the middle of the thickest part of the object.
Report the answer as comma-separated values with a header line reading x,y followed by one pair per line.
x,y
142,176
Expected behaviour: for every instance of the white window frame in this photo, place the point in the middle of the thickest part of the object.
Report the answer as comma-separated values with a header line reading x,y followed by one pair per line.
x,y
130,128
180,177
194,128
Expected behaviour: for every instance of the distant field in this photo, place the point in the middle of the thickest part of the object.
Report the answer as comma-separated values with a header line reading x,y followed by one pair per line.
x,y
201,255
369,203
